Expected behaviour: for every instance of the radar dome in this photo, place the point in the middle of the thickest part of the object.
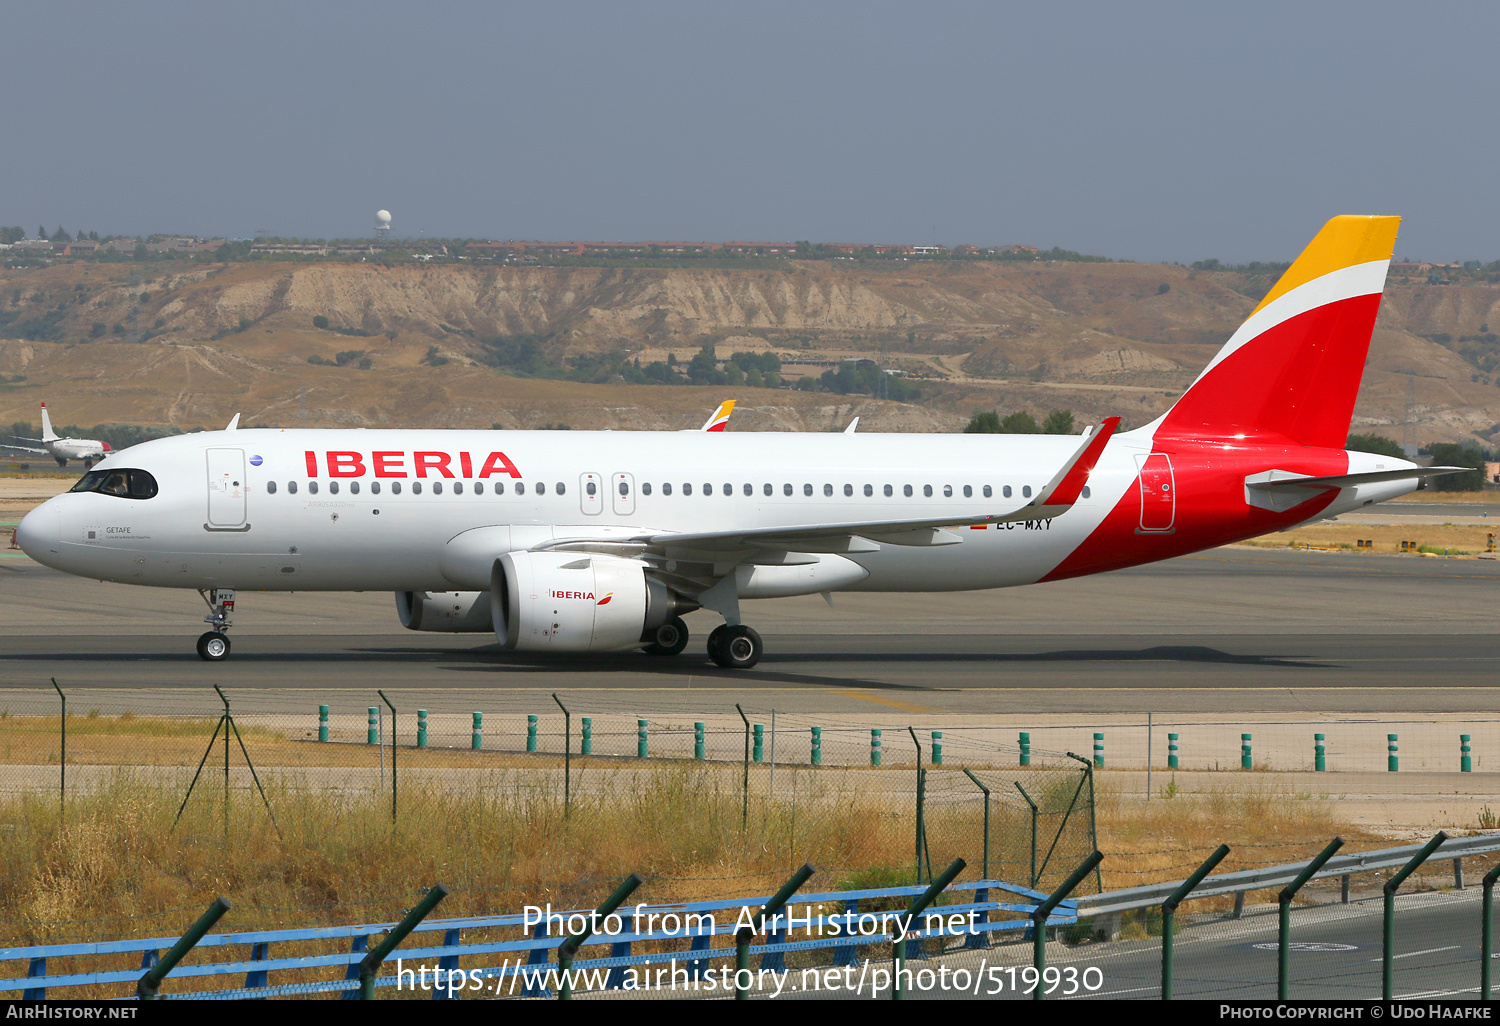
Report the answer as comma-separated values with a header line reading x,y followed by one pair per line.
x,y
383,216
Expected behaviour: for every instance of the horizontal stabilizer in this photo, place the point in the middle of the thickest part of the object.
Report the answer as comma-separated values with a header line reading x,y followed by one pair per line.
x,y
1282,489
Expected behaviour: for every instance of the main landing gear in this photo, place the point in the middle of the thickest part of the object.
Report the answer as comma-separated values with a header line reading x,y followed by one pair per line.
x,y
669,639
213,645
735,647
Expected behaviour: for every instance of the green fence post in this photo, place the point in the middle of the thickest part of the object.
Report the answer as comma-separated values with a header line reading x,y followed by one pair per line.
x,y
1284,916
370,964
531,733
1033,878
371,736
1486,931
875,746
322,723
147,985
758,750
1245,761
476,735
1392,756
1465,763
985,873
568,948
1025,748
1388,932
640,739
937,747
1171,751
421,728
817,746
1099,750
1169,915
697,740
744,934
1320,753
586,742
1042,911
917,907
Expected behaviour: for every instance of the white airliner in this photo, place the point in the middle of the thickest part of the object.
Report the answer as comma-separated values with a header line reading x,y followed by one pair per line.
x,y
89,450
574,541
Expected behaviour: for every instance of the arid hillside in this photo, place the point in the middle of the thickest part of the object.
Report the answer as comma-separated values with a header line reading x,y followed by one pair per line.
x,y
192,344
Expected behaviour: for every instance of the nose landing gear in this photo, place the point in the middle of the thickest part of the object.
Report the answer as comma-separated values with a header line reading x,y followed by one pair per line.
x,y
213,645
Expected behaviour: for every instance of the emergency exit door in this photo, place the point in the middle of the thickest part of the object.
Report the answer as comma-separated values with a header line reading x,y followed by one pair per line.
x,y
226,488
1158,493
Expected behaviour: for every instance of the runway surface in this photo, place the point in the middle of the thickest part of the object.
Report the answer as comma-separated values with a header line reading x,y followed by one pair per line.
x,y
1243,630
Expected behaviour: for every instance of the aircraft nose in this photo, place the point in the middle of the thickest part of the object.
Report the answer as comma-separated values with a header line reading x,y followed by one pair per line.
x,y
38,530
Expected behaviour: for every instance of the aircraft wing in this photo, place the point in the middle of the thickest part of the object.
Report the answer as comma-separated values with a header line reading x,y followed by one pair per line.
x,y
24,448
1056,497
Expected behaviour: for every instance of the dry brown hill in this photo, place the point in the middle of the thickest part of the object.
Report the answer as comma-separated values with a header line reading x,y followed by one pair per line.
x,y
190,345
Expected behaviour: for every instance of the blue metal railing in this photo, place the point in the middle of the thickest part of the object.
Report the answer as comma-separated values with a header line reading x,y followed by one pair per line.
x,y
527,956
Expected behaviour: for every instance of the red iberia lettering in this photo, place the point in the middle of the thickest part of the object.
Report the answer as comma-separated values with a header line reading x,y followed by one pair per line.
x,y
466,462
425,461
312,463
577,595
345,464
389,464
498,463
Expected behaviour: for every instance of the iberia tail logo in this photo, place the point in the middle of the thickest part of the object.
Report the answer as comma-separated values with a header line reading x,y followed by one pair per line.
x,y
605,600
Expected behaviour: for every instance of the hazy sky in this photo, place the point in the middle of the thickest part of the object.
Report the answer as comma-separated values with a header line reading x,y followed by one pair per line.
x,y
1150,131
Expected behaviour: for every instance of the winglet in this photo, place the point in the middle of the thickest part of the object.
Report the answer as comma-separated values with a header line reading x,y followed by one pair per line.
x,y
233,423
852,425
719,419
1067,485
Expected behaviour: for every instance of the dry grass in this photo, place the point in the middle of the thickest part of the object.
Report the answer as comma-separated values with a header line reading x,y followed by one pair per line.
x,y
1458,539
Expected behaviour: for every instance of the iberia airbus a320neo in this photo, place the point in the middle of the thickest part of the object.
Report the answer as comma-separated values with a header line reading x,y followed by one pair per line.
x,y
601,541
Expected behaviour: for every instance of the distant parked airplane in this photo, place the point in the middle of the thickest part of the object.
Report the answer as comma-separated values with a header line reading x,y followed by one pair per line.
x,y
63,449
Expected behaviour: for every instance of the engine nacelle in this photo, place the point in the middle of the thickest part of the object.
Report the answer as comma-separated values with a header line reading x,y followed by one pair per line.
x,y
453,612
577,602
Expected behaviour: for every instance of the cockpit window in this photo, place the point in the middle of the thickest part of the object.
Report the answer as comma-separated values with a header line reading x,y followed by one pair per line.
x,y
128,484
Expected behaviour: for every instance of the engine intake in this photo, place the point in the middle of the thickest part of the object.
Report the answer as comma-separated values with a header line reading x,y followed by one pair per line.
x,y
571,602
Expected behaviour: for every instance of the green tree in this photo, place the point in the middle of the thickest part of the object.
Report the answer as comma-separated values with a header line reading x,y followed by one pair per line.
x,y
1447,454
98,330
807,384
984,422
1378,444
320,322
1058,422
1019,423
704,368
1163,289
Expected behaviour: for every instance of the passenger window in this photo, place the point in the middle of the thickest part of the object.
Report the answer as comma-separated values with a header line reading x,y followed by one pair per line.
x,y
541,487
987,491
646,488
906,490
728,488
353,487
478,487
827,491
1086,492
374,487
887,491
687,488
499,487
869,491
270,487
395,487
848,489
416,487
968,491
312,488
591,488
560,489
333,487
437,488
666,488
927,491
749,488
1026,491
768,489
786,489
458,487
291,487
1005,491
708,489
807,489
947,491
624,488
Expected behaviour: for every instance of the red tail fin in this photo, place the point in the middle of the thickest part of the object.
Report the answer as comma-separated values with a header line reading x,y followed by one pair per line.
x,y
1291,372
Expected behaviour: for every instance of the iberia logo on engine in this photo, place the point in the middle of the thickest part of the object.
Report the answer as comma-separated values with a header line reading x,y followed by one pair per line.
x,y
577,595
605,600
